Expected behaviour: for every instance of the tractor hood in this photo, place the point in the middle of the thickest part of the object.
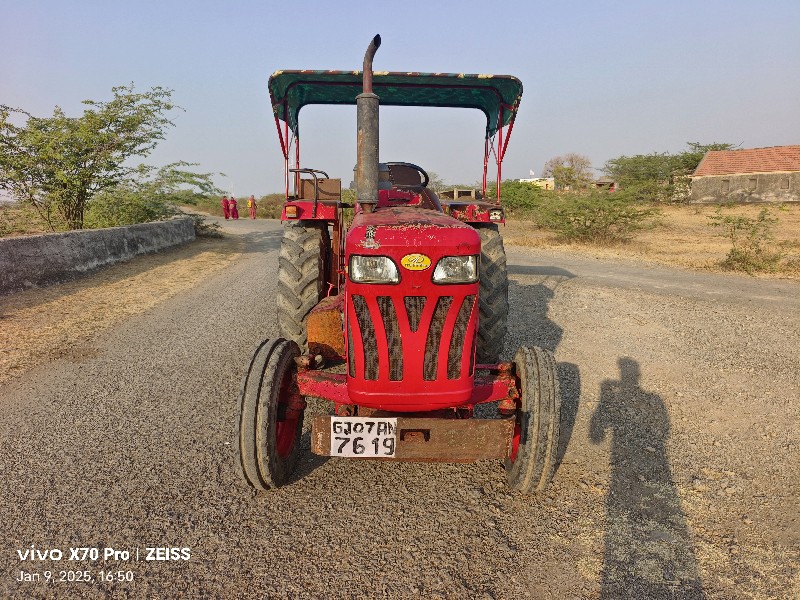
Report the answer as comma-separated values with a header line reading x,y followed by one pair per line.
x,y
403,230
410,332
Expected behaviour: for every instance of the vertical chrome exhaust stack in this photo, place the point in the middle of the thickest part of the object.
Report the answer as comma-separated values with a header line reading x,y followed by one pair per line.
x,y
367,122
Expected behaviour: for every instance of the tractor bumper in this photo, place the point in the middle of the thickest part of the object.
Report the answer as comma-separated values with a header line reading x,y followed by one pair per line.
x,y
425,439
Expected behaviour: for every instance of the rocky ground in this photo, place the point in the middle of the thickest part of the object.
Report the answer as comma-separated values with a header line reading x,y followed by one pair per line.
x,y
679,474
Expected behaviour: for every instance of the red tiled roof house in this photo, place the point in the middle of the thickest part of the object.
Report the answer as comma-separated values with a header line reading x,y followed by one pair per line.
x,y
754,175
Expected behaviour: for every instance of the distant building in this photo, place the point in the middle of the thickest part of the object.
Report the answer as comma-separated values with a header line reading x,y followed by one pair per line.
x,y
605,183
754,175
546,183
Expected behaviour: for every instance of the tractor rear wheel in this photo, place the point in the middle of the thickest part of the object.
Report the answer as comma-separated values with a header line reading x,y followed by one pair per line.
x,y
493,295
270,415
535,444
301,276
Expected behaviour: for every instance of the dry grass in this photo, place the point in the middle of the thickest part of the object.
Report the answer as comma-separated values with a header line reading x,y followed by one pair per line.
x,y
16,219
683,237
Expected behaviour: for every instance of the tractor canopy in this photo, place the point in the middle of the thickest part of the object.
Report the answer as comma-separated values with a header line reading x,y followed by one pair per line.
x,y
498,96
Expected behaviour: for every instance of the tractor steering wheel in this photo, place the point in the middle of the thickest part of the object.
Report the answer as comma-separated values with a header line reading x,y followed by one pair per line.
x,y
418,169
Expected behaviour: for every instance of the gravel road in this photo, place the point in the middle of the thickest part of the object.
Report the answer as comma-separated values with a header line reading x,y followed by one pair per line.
x,y
679,473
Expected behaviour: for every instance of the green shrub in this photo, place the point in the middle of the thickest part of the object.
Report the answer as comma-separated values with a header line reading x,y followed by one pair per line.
x,y
522,197
123,206
203,228
751,240
269,206
598,217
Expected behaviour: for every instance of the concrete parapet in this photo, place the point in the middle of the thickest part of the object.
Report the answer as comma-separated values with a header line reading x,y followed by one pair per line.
x,y
37,260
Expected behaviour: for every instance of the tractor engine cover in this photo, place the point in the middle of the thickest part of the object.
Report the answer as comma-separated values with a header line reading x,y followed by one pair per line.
x,y
411,309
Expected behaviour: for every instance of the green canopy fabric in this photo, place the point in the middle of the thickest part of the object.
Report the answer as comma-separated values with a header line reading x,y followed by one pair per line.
x,y
292,90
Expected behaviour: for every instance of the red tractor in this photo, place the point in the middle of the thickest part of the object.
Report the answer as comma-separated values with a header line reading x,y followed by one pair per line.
x,y
398,319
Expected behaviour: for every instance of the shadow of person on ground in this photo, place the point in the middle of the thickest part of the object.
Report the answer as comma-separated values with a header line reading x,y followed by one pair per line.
x,y
648,551
535,300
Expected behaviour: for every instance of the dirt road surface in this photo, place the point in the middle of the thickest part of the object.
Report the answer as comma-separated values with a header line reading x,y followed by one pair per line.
x,y
679,474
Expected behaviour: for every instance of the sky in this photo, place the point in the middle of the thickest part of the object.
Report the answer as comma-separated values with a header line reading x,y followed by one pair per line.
x,y
601,78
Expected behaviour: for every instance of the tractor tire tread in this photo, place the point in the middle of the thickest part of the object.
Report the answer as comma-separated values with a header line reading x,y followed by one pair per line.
x,y
259,462
493,295
301,276
533,468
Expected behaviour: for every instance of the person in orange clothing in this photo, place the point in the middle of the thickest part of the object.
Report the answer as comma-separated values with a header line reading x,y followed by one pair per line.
x,y
233,208
251,206
226,210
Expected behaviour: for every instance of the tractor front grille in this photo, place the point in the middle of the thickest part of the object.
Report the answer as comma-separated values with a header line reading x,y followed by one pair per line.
x,y
457,341
434,337
393,338
414,307
386,320
368,340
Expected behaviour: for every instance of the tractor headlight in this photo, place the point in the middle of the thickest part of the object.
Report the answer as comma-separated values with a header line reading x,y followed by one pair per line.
x,y
456,269
496,214
373,269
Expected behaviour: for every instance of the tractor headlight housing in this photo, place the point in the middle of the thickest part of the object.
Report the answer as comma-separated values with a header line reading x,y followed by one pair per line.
x,y
456,269
373,269
496,214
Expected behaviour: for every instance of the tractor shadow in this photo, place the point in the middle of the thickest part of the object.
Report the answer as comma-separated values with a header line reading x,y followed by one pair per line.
x,y
531,302
310,462
647,548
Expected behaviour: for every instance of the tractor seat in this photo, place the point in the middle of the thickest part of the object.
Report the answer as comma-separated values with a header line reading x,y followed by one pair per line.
x,y
403,186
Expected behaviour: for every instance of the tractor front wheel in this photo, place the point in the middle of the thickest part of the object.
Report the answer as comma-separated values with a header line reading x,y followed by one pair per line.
x,y
270,415
535,443
493,295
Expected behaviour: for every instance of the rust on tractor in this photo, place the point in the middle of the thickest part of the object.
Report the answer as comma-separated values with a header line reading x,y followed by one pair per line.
x,y
324,329
435,439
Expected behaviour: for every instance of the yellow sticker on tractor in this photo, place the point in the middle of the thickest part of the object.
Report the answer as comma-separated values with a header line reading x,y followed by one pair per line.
x,y
415,262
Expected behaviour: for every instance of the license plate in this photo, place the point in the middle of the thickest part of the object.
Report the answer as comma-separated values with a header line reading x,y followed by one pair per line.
x,y
363,437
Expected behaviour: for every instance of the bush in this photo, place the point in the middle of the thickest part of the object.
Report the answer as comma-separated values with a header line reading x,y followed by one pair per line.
x,y
522,197
203,228
751,241
598,217
122,206
269,206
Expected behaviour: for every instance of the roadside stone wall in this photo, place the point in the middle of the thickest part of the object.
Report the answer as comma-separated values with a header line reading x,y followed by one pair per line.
x,y
747,187
38,260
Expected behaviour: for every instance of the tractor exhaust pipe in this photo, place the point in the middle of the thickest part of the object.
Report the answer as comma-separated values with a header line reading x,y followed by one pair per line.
x,y
367,123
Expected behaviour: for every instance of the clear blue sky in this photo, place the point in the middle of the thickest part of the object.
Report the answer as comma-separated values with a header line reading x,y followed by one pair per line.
x,y
601,78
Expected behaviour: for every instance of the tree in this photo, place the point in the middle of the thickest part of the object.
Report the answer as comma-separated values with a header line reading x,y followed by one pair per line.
x,y
435,182
571,171
659,166
57,164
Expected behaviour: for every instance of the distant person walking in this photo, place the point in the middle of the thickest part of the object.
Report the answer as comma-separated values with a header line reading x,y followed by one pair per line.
x,y
226,208
251,206
233,208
